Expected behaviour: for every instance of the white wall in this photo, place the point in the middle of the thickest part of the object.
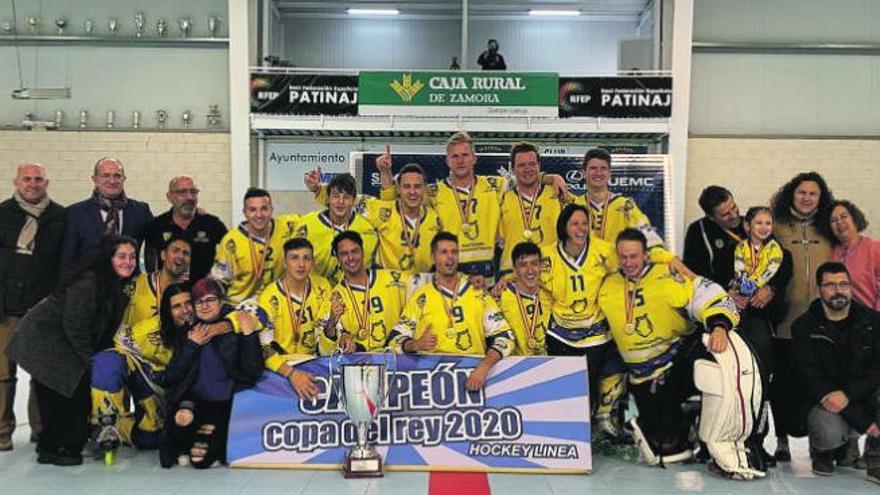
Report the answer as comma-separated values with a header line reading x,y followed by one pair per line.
x,y
122,79
527,45
791,94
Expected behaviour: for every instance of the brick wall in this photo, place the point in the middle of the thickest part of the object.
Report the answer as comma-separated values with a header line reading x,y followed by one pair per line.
x,y
150,160
753,169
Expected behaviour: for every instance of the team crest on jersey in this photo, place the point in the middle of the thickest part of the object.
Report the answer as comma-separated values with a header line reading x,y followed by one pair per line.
x,y
493,182
166,235
463,340
378,332
579,305
406,262
230,246
395,277
384,214
201,236
273,301
719,243
420,301
302,231
643,326
472,231
545,265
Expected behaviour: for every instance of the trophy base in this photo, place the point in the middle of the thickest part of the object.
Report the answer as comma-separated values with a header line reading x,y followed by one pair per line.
x,y
363,467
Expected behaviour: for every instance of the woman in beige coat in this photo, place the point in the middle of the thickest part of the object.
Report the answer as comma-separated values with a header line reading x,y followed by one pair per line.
x,y
798,209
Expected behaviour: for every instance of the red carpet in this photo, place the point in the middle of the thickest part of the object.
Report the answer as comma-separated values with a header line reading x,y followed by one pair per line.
x,y
458,484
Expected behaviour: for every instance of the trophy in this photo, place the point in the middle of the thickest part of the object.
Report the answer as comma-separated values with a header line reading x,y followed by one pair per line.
x,y
113,26
362,390
161,27
59,118
83,119
161,118
139,21
88,26
34,23
135,120
213,25
60,23
213,116
186,117
111,119
185,24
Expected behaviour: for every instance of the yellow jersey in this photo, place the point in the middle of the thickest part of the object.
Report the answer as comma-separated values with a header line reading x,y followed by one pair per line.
x,y
291,329
573,284
370,312
404,244
143,342
619,212
758,266
468,322
649,317
528,316
246,263
540,213
144,301
320,231
473,215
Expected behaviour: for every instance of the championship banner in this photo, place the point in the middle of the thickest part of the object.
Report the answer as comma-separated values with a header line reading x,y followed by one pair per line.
x,y
615,97
532,416
645,178
454,93
304,94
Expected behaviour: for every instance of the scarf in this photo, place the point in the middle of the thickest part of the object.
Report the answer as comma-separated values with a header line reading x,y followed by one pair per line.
x,y
28,234
112,206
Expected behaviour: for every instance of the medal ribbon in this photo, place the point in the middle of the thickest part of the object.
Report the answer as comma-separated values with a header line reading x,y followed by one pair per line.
x,y
294,318
527,219
362,318
464,211
447,308
411,238
630,295
258,267
531,323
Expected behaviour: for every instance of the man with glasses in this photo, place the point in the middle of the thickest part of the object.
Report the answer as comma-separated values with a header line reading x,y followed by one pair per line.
x,y
108,212
837,355
202,230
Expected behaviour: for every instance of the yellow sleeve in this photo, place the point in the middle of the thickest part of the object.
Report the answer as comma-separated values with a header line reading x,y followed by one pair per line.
x,y
499,335
407,325
708,300
389,193
774,261
322,195
326,345
224,266
739,259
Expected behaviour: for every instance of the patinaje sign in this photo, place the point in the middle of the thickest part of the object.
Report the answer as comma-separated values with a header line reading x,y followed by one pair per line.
x,y
512,94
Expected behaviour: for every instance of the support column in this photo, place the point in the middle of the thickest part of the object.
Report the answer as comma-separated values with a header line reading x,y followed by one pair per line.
x,y
682,34
239,105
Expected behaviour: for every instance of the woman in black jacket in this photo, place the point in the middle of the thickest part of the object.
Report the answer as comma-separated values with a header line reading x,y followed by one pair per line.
x,y
209,365
57,338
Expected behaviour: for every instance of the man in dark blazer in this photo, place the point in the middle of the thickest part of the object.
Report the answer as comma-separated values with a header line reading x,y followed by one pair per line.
x,y
108,212
31,228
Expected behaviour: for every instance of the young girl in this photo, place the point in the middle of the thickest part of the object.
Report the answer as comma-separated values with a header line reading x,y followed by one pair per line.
x,y
757,258
762,269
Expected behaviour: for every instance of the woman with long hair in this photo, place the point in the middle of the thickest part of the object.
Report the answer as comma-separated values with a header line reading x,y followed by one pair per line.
x,y
798,208
57,339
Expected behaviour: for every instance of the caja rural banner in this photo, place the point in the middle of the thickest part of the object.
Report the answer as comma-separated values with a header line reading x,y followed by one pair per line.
x,y
645,178
615,97
304,94
532,416
453,93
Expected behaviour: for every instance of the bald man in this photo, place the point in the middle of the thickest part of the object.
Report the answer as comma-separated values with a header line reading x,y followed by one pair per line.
x,y
31,229
203,231
108,212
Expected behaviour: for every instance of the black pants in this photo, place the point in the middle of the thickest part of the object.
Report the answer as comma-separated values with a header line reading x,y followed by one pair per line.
x,y
65,419
602,360
214,413
756,329
659,401
782,397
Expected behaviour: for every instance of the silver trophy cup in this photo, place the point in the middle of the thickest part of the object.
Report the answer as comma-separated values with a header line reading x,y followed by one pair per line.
x,y
362,390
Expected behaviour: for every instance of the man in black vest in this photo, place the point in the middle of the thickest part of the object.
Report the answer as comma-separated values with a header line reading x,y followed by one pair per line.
x,y
31,229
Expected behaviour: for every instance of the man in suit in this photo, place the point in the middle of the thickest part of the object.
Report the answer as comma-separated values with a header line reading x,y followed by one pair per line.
x,y
108,212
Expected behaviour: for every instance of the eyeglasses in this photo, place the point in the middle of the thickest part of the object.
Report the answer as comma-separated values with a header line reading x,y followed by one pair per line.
x,y
193,191
836,285
207,301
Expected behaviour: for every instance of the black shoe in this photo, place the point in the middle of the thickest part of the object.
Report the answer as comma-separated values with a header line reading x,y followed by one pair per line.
x,y
874,474
848,454
782,454
769,460
61,457
823,463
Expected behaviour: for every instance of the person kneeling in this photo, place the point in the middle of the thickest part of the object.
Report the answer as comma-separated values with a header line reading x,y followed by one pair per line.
x,y
649,311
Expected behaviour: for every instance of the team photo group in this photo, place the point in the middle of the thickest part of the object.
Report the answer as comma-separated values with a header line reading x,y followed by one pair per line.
x,y
143,331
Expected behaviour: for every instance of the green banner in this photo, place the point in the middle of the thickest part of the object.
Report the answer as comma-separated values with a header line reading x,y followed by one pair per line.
x,y
489,94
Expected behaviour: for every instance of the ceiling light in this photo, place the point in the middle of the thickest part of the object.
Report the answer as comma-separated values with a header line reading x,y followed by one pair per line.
x,y
373,12
560,13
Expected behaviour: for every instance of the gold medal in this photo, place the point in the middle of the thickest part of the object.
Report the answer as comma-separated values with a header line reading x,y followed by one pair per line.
x,y
465,227
450,333
629,328
533,344
527,234
527,218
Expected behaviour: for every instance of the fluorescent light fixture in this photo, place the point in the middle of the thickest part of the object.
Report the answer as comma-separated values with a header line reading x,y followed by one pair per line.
x,y
40,93
560,13
373,12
